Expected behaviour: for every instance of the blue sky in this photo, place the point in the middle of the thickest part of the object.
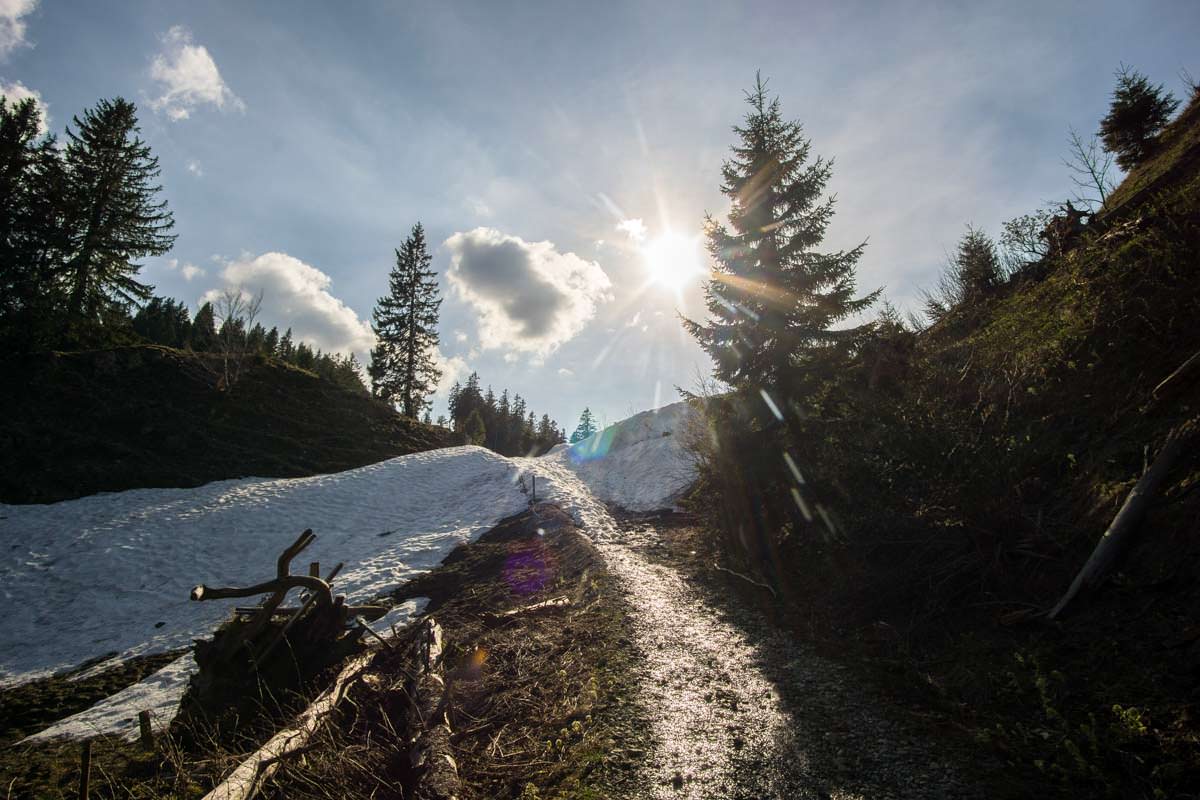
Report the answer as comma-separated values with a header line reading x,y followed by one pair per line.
x,y
301,141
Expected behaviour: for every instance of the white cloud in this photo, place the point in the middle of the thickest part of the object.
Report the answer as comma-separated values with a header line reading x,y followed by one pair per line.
x,y
189,77
191,271
634,228
564,372
194,167
12,26
478,207
454,368
530,297
460,336
16,91
296,295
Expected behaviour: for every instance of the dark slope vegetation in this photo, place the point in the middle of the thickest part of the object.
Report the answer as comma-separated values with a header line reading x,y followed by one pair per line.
x,y
974,465
148,416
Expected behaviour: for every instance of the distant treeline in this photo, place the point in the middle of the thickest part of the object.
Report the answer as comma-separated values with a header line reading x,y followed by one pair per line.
x,y
166,321
75,217
501,424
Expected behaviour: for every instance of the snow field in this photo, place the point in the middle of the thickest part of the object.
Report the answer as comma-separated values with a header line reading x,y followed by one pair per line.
x,y
112,573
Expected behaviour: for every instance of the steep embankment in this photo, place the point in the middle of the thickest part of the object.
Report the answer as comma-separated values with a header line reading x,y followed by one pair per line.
x,y
73,424
974,466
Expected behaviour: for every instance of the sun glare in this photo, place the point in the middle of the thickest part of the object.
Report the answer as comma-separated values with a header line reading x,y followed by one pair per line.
x,y
673,259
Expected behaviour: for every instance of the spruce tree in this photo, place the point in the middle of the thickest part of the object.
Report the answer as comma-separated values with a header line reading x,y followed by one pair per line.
x,y
163,321
32,191
1139,111
773,299
287,350
204,330
112,213
474,429
405,321
271,343
587,426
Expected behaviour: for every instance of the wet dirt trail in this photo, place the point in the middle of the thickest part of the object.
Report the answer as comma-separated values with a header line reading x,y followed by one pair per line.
x,y
737,709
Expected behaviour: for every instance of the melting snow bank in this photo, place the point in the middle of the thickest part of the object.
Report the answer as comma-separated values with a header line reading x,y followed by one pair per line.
x,y
161,693
158,693
638,464
112,572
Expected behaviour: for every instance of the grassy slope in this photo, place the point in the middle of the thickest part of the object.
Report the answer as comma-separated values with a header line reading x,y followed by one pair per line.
x,y
73,424
1058,375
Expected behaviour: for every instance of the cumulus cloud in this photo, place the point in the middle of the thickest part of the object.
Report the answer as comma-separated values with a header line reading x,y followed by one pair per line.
x,y
189,77
16,91
12,24
454,368
530,297
297,295
634,228
191,272
194,167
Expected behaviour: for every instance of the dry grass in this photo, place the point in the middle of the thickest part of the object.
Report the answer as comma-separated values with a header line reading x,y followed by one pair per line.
x,y
539,701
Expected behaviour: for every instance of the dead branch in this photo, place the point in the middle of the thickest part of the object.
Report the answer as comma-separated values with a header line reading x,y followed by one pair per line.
x,y
746,578
1173,380
553,604
282,584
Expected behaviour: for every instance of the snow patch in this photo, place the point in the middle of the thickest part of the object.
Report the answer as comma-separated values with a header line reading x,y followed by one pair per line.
x,y
158,693
112,572
638,464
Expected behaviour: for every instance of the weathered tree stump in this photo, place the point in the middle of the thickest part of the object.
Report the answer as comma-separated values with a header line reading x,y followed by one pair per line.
x,y
265,653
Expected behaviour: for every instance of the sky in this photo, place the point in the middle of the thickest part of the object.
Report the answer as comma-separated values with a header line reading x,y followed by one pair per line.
x,y
547,148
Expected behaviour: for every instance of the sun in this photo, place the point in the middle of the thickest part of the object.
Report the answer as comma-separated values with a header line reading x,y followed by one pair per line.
x,y
673,259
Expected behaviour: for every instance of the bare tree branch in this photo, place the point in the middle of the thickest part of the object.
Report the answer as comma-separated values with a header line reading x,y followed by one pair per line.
x,y
1090,165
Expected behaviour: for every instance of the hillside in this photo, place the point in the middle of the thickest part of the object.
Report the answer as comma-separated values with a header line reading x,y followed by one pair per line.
x,y
973,466
148,416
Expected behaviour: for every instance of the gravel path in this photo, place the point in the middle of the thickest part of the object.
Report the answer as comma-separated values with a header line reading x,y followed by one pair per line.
x,y
739,711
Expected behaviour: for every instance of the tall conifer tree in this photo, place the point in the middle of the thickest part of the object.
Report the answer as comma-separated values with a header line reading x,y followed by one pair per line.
x,y
773,300
31,205
113,216
402,367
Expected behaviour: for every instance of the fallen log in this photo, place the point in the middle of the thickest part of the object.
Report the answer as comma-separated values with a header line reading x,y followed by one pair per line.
x,y
1126,523
245,781
545,606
